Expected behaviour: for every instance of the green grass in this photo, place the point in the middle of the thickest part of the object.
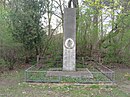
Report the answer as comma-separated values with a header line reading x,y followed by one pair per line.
x,y
12,85
129,78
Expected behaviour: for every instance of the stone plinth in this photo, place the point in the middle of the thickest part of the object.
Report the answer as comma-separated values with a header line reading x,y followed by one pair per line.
x,y
84,73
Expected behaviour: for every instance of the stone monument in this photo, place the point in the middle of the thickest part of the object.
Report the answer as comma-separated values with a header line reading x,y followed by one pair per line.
x,y
69,41
69,47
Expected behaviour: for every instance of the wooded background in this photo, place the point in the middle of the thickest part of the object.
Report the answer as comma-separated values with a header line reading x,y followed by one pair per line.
x,y
26,30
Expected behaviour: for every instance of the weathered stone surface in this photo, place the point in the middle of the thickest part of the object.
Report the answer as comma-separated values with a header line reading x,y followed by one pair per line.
x,y
69,41
84,73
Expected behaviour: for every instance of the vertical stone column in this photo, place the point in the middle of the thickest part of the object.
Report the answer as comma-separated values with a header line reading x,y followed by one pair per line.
x,y
69,41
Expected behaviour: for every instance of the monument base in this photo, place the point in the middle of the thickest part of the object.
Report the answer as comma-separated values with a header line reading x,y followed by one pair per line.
x,y
79,73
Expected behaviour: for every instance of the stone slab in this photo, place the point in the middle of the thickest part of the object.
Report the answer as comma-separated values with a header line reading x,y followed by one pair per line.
x,y
85,73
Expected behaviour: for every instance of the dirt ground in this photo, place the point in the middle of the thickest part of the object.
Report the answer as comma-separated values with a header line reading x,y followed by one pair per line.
x,y
122,79
12,85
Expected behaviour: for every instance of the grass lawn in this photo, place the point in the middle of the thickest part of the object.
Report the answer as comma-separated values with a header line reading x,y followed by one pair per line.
x,y
12,85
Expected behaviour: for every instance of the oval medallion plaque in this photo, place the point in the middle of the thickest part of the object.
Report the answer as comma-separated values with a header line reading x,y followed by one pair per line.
x,y
69,43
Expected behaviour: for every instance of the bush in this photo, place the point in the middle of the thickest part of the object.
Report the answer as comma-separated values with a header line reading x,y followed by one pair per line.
x,y
2,63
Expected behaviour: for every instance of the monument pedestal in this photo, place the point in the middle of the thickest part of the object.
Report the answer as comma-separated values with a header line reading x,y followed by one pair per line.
x,y
69,41
85,73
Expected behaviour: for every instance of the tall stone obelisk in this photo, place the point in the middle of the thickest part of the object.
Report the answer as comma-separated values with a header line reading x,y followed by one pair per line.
x,y
69,40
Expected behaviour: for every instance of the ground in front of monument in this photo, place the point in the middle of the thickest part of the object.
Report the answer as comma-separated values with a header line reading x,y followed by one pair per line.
x,y
12,85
